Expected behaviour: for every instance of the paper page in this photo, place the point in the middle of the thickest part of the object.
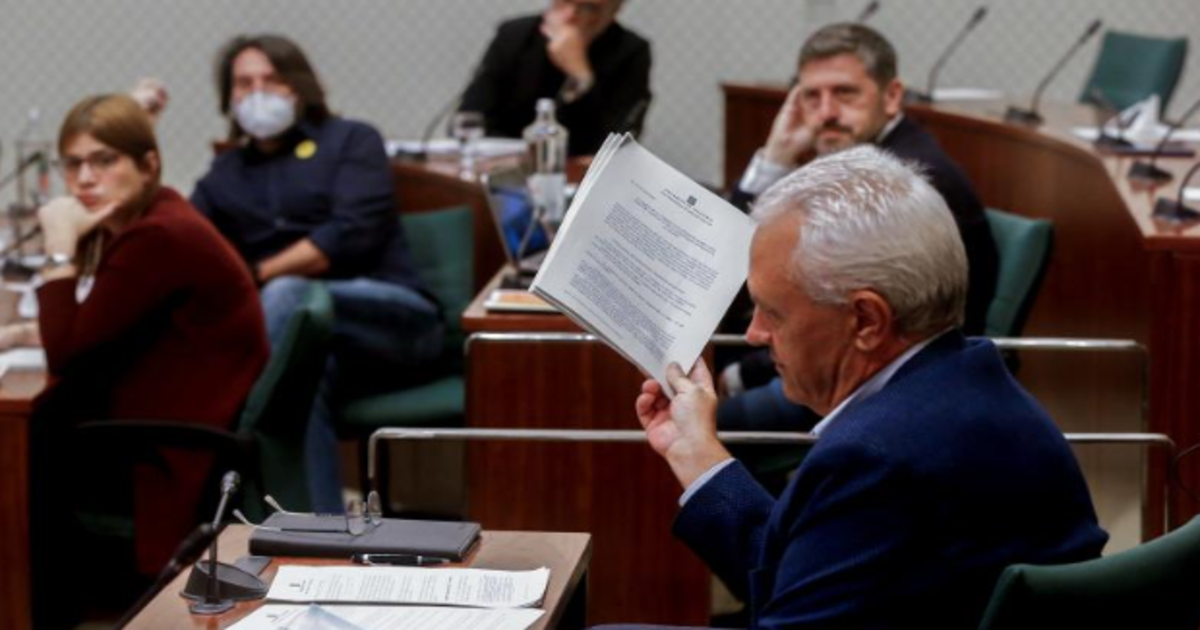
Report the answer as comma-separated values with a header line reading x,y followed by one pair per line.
x,y
347,617
410,585
647,259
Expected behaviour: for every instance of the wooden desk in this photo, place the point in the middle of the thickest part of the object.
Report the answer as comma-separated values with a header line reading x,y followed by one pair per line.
x,y
1115,270
566,555
623,494
17,391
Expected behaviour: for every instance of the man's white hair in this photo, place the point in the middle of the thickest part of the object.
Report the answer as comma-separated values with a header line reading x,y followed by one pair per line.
x,y
870,221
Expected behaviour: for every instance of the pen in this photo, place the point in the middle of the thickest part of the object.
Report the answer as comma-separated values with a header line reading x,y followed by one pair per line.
x,y
398,559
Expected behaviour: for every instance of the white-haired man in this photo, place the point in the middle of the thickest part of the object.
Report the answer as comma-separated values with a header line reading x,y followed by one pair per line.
x,y
933,471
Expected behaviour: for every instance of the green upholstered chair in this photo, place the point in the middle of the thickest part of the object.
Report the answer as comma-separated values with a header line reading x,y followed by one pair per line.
x,y
1132,67
1153,585
1024,248
267,444
441,246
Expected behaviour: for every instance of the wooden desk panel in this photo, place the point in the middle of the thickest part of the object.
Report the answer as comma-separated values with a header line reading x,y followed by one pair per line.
x,y
17,390
625,495
566,555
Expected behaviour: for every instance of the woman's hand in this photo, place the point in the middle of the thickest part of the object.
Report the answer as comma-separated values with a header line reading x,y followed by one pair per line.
x,y
65,220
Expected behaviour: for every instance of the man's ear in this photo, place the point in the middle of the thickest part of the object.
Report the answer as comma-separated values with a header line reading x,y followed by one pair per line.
x,y
874,320
893,97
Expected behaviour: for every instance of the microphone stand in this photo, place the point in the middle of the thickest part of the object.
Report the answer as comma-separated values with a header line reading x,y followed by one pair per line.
x,y
186,553
1108,112
1175,209
1031,117
868,12
976,18
212,604
1150,172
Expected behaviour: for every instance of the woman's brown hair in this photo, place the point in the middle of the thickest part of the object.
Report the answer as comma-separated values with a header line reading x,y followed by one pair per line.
x,y
117,121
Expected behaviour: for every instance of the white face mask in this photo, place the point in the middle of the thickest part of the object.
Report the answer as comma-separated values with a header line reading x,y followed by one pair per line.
x,y
264,115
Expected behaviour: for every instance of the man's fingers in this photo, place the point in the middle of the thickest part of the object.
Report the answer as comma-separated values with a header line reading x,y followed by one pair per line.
x,y
701,376
678,380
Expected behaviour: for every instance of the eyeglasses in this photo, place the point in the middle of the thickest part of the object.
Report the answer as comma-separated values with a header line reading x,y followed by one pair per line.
x,y
358,516
99,162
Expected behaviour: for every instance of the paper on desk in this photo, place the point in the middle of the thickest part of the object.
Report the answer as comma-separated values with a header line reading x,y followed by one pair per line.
x,y
1179,135
966,94
23,359
314,617
484,147
480,588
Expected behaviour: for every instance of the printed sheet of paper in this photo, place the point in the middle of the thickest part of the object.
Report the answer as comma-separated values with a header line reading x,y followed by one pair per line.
x,y
647,259
479,588
350,617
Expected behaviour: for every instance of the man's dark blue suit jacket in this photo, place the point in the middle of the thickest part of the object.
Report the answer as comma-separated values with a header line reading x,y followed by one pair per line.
x,y
908,507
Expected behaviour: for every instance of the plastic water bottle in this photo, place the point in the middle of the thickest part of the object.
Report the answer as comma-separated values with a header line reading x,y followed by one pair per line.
x,y
546,141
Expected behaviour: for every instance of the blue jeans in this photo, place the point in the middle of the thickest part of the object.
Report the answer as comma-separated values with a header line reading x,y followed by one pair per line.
x,y
383,335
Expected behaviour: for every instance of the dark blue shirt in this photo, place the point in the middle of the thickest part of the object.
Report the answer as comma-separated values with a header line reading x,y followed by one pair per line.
x,y
329,182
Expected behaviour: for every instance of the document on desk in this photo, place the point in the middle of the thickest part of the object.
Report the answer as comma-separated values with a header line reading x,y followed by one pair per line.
x,y
647,259
479,588
349,617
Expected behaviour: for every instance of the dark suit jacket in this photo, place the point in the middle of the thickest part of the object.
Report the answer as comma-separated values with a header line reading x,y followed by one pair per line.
x,y
908,507
516,72
909,141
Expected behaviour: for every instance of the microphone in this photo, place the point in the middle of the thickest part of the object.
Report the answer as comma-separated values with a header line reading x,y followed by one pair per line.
x,y
443,111
1175,209
868,12
1031,116
633,120
1150,172
1107,112
212,604
34,158
976,18
186,553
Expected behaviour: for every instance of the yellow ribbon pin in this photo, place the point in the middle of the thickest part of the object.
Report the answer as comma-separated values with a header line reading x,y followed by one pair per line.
x,y
306,149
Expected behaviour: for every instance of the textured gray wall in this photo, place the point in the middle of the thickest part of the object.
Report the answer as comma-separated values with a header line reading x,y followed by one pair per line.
x,y
395,62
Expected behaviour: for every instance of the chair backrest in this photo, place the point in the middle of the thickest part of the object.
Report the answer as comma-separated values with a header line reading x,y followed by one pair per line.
x,y
277,410
1152,585
441,246
1132,67
1024,248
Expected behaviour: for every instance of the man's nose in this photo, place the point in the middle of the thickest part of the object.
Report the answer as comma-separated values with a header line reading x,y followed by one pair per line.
x,y
756,334
828,108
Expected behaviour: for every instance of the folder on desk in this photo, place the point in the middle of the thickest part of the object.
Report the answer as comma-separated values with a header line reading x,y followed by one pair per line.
x,y
444,539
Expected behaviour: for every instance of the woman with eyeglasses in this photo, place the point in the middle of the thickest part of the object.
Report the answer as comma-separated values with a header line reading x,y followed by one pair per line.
x,y
145,312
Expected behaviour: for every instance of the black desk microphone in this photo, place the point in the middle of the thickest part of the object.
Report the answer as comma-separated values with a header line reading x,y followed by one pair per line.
x,y
1149,171
212,604
936,70
1031,116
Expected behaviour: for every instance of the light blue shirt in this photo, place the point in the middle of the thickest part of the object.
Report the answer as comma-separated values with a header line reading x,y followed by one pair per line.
x,y
870,387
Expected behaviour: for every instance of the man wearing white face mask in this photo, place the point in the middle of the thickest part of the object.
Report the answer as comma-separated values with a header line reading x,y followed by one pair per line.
x,y
308,197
